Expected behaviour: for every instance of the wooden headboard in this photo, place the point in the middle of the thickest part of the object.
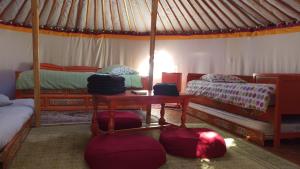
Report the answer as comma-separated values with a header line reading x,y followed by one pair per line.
x,y
287,90
195,76
49,66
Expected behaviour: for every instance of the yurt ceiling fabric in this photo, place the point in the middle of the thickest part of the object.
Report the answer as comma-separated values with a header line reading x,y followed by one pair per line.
x,y
175,17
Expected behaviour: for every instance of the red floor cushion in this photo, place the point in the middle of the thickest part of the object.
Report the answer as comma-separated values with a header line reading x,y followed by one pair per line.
x,y
192,142
124,151
123,120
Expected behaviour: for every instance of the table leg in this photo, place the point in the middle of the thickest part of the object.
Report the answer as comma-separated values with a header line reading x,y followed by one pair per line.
x,y
162,120
148,115
94,126
183,114
111,121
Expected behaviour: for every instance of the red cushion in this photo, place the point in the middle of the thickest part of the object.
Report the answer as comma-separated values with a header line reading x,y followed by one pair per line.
x,y
123,120
124,151
192,142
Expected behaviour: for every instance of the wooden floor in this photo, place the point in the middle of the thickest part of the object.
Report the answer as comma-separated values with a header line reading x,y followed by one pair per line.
x,y
289,149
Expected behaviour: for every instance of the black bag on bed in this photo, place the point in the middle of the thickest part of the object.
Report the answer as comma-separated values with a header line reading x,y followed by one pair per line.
x,y
106,84
168,89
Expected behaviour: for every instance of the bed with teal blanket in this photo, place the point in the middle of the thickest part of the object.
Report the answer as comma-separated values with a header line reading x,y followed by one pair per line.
x,y
67,90
56,80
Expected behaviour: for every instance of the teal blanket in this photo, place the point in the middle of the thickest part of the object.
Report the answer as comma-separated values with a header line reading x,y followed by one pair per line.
x,y
67,80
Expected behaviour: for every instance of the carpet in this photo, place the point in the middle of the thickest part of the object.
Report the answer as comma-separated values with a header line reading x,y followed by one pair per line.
x,y
74,117
62,147
57,118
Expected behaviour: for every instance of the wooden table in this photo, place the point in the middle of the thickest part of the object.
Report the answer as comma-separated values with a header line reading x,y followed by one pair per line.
x,y
128,98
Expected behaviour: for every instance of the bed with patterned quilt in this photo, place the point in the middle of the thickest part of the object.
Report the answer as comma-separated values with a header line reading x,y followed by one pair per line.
x,y
258,107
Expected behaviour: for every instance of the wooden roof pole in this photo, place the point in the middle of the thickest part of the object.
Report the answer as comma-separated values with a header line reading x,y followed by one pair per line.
x,y
141,16
152,41
152,49
133,17
95,15
167,16
281,11
118,9
159,17
69,14
111,16
19,11
36,62
61,12
5,9
127,14
27,17
51,13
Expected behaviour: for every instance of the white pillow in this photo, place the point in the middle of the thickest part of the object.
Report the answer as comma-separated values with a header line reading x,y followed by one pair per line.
x,y
118,70
4,100
222,78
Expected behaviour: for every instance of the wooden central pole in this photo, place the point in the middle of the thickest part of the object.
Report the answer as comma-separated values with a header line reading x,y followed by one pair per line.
x,y
36,62
152,41
152,48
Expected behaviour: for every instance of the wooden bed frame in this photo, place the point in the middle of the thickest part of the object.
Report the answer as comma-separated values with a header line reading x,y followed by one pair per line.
x,y
286,104
66,99
9,151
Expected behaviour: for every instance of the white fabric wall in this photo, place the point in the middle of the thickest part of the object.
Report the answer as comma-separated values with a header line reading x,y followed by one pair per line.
x,y
276,53
15,54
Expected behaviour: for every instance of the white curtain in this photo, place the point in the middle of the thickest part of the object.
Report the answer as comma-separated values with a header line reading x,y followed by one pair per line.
x,y
276,53
247,55
92,51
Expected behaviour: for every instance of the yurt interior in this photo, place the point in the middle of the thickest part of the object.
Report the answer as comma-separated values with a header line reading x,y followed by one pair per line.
x,y
148,84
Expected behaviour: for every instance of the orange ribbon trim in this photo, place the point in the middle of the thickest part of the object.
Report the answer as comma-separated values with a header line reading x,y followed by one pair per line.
x,y
159,37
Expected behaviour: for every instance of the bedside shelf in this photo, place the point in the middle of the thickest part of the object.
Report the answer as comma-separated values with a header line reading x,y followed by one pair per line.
x,y
172,78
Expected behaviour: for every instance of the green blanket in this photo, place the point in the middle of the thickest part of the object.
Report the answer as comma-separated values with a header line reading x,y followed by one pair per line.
x,y
67,80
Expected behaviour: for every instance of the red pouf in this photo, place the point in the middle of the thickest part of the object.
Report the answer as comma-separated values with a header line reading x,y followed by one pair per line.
x,y
124,152
192,142
123,120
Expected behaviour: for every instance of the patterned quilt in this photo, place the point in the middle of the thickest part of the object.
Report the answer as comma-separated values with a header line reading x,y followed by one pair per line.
x,y
246,95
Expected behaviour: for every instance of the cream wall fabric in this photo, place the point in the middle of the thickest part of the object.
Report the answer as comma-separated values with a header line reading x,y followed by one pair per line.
x,y
15,54
91,52
276,53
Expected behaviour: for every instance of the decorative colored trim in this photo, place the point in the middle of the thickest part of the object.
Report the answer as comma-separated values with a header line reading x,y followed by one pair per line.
x,y
118,35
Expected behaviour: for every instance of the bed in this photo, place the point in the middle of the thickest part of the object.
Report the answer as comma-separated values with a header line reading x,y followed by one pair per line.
x,y
277,120
65,95
15,124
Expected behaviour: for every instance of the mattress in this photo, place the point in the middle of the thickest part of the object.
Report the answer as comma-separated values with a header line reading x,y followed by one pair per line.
x,y
13,117
246,95
288,125
55,80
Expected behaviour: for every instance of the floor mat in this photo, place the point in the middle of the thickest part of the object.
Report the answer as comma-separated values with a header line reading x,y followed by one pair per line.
x,y
62,147
59,118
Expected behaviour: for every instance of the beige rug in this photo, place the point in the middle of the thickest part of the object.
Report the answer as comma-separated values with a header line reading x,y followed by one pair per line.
x,y
62,147
74,117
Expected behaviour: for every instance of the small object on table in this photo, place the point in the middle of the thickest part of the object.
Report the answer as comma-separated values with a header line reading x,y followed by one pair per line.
x,y
166,89
171,77
140,92
106,84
